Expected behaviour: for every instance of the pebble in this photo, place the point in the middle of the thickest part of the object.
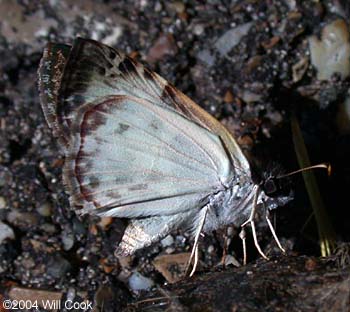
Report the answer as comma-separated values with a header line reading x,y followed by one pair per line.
x,y
139,282
22,219
181,240
231,38
57,266
48,228
198,29
2,202
28,263
6,232
211,249
164,45
172,267
45,209
250,97
79,228
167,241
331,54
169,250
177,6
125,262
230,260
206,57
67,240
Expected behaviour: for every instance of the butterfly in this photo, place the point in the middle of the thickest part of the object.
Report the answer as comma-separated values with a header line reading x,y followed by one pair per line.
x,y
137,148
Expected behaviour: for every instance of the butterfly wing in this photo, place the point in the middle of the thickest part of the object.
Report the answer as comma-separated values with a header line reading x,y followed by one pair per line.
x,y
135,146
129,152
143,232
50,76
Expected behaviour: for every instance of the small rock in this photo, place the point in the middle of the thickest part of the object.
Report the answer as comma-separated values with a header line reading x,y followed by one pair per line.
x,y
57,266
22,219
45,209
172,267
158,7
139,282
93,229
331,54
230,260
167,241
310,264
79,228
211,249
231,38
206,57
5,175
250,97
28,263
291,4
177,6
164,45
2,202
180,240
67,240
228,97
198,29
106,265
125,262
114,36
169,250
299,69
269,44
48,228
6,232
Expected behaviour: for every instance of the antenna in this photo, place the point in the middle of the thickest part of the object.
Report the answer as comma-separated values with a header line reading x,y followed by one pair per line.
x,y
326,166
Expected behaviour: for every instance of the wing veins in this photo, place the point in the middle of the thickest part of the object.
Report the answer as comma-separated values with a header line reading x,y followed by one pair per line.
x,y
147,200
140,191
181,130
158,139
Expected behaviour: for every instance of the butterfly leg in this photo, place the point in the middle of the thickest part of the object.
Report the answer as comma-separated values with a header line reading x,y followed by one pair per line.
x,y
252,223
194,253
242,236
268,220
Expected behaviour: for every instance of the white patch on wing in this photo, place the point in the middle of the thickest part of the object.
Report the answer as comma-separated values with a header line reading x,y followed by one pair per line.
x,y
139,152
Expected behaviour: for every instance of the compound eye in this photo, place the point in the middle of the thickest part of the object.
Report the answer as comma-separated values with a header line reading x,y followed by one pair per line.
x,y
270,187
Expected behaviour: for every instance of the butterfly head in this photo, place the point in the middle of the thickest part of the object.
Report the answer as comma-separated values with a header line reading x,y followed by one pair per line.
x,y
276,188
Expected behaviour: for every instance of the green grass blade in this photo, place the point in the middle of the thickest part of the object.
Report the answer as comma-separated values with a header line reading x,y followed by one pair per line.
x,y
326,233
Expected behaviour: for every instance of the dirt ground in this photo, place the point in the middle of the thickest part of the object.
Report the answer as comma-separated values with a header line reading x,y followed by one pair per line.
x,y
251,64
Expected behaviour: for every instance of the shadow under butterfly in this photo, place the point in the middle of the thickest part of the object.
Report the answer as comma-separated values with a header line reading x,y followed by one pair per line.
x,y
138,148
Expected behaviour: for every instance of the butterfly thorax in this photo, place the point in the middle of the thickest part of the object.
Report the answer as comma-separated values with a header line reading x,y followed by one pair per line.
x,y
230,206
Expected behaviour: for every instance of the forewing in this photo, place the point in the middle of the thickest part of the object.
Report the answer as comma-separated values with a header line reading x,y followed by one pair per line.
x,y
135,146
95,70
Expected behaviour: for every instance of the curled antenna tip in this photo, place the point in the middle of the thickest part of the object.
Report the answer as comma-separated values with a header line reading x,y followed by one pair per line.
x,y
329,169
